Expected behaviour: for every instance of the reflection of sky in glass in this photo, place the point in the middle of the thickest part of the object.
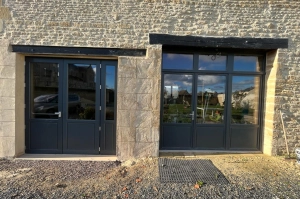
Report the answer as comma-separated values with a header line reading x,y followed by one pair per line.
x,y
242,82
246,63
110,77
211,83
177,61
211,62
184,82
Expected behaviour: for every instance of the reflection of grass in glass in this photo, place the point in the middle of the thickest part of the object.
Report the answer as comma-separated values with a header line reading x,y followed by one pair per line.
x,y
177,113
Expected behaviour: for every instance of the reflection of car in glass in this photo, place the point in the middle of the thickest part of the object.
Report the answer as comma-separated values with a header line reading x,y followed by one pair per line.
x,y
49,104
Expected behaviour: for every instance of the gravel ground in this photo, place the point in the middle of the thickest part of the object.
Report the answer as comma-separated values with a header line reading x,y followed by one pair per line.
x,y
250,176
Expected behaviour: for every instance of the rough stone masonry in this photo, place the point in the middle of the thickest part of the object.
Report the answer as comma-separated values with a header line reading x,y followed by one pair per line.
x,y
127,24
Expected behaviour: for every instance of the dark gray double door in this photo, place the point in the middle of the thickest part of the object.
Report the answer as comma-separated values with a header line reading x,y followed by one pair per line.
x,y
210,111
70,106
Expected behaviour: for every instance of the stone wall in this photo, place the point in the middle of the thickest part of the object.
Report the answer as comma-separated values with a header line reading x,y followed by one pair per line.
x,y
12,133
127,24
139,105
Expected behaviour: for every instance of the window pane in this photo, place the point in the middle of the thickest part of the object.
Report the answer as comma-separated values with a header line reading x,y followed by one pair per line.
x,y
211,99
245,99
177,61
44,90
177,98
212,62
247,63
110,93
82,91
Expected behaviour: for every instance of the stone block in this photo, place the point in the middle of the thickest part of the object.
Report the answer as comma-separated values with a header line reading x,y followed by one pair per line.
x,y
7,58
4,43
7,115
127,101
155,53
144,86
145,68
126,118
143,119
144,101
7,72
7,147
127,72
155,102
7,103
155,134
144,135
127,62
7,129
155,119
7,87
127,85
125,150
146,149
127,134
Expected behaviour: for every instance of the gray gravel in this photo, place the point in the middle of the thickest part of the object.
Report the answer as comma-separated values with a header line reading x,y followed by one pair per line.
x,y
252,176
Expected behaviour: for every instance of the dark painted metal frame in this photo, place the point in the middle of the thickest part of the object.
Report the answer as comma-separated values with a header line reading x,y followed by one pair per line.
x,y
65,105
63,92
106,147
28,105
228,73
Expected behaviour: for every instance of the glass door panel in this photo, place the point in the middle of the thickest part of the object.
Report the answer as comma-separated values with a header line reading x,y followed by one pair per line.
x,y
81,91
211,99
110,92
245,99
177,102
44,96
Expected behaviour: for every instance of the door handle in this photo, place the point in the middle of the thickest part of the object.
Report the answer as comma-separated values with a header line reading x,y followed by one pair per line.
x,y
192,114
58,113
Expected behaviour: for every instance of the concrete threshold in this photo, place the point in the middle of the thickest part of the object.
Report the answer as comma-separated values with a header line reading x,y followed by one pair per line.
x,y
67,157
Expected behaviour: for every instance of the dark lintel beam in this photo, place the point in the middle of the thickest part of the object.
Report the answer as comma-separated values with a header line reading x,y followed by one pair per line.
x,y
78,51
219,42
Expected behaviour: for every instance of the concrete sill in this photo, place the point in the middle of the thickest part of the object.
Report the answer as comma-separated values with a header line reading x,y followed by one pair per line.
x,y
66,157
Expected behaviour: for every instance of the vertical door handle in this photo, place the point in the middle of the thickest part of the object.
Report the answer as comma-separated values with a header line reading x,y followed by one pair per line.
x,y
58,113
192,114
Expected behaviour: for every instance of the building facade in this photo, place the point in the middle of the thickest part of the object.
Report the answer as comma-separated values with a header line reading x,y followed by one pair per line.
x,y
132,78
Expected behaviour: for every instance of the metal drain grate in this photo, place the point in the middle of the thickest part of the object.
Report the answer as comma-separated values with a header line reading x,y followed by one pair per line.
x,y
180,171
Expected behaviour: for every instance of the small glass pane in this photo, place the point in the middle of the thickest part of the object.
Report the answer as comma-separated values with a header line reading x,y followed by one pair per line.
x,y
44,90
110,93
211,99
212,62
81,91
245,100
177,61
247,63
177,98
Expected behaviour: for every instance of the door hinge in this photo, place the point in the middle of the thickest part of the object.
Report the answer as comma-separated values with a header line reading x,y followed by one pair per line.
x,y
99,128
99,149
100,66
100,87
25,85
24,105
100,108
57,74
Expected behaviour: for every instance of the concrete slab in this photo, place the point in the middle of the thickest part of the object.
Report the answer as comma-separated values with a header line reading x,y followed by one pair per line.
x,y
67,157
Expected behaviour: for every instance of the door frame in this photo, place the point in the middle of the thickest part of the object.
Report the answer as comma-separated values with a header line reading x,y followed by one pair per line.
x,y
100,137
229,73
